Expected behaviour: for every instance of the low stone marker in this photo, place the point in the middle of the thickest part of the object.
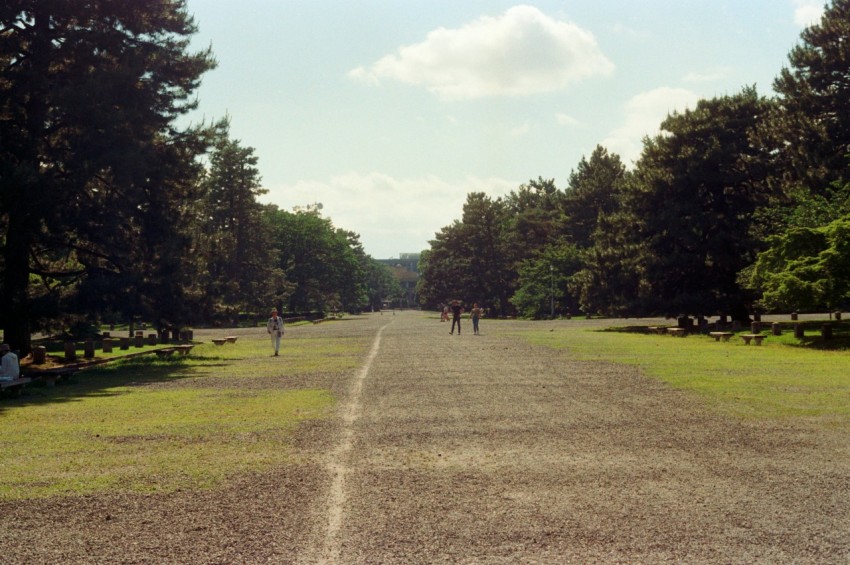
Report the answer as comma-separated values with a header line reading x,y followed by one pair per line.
x,y
39,355
107,345
799,332
125,343
70,351
88,349
776,328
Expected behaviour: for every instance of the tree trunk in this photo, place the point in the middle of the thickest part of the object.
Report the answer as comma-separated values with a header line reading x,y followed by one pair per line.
x,y
15,285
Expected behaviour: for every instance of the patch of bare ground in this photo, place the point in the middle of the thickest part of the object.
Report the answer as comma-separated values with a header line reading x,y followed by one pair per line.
x,y
483,449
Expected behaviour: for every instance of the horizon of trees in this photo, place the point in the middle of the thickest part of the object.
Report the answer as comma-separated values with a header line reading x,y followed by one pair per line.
x,y
740,205
110,211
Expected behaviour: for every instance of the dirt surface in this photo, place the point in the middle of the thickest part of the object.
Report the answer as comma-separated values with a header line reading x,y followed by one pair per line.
x,y
483,449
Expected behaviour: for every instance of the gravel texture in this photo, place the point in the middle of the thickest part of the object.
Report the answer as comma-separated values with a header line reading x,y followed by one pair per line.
x,y
482,449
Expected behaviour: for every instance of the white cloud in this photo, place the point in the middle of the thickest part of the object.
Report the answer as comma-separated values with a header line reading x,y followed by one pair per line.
x,y
644,114
711,75
520,130
521,52
391,215
808,12
566,120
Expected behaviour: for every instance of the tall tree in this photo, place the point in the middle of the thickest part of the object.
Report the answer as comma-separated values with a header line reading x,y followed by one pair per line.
x,y
691,204
89,95
807,133
241,271
594,191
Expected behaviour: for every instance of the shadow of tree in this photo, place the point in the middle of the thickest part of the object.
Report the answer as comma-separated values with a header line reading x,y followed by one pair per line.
x,y
102,380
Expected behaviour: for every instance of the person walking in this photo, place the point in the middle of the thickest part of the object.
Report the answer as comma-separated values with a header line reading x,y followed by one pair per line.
x,y
457,310
275,329
475,314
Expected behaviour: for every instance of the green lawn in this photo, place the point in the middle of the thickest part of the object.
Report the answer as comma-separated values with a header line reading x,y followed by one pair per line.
x,y
775,380
150,424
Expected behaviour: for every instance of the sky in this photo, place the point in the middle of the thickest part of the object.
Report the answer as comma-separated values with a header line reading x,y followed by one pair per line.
x,y
389,112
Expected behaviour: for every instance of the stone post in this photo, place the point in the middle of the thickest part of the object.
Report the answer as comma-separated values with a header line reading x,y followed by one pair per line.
x,y
70,351
88,349
793,316
125,343
755,327
799,332
39,355
151,339
139,340
107,345
163,336
826,331
777,328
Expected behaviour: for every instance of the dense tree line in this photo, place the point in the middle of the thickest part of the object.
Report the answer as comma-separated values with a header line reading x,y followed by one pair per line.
x,y
739,205
110,210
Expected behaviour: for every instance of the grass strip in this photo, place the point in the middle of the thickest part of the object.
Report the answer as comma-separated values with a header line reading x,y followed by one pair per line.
x,y
773,381
152,424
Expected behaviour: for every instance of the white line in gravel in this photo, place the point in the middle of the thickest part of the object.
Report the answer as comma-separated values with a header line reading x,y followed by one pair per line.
x,y
338,464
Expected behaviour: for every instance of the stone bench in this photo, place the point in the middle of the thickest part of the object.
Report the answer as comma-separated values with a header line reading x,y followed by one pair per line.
x,y
15,386
676,331
219,340
758,338
657,329
50,376
231,339
181,349
721,335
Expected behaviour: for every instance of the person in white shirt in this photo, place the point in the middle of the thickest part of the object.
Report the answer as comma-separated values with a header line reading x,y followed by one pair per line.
x,y
275,329
9,367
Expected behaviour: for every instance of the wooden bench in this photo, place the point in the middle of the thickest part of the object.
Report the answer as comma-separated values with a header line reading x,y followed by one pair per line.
x,y
15,386
721,335
754,337
676,331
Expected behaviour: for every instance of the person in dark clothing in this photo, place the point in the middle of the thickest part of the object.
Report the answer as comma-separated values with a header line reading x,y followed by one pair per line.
x,y
457,310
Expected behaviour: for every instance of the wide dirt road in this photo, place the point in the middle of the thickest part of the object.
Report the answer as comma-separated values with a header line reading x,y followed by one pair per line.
x,y
483,449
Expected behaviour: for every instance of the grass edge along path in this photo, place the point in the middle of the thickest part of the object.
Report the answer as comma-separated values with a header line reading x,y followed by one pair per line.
x,y
160,425
772,381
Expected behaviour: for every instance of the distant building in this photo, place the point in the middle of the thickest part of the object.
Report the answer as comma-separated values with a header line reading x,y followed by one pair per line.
x,y
405,269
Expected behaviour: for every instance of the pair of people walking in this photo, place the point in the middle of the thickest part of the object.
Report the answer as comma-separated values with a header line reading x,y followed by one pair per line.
x,y
457,311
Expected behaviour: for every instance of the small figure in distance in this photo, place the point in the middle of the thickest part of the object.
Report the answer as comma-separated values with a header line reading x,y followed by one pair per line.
x,y
275,329
444,315
9,367
475,314
457,310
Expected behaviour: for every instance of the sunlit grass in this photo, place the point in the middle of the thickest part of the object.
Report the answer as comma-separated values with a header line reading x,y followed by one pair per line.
x,y
775,380
160,424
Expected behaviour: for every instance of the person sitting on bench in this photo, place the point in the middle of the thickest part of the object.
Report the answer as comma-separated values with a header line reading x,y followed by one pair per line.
x,y
9,368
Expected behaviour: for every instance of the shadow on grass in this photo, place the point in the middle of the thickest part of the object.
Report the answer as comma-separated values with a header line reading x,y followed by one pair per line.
x,y
813,339
97,381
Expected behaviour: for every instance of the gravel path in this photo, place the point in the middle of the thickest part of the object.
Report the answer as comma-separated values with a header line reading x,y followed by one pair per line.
x,y
483,449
